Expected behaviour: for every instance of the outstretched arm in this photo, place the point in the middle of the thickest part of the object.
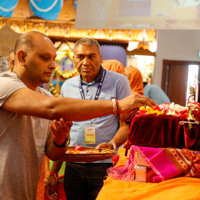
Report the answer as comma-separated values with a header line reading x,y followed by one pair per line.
x,y
28,102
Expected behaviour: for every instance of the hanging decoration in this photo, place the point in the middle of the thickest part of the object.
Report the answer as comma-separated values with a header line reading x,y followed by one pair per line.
x,y
48,10
63,75
62,72
58,79
7,7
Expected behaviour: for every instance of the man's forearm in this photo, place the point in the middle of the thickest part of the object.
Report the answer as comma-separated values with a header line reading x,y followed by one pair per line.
x,y
28,102
56,166
78,110
55,153
121,135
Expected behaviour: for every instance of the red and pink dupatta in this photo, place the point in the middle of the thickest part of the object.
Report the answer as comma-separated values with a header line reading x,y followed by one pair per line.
x,y
166,163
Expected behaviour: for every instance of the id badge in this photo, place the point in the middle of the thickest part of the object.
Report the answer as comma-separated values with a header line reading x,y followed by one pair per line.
x,y
90,136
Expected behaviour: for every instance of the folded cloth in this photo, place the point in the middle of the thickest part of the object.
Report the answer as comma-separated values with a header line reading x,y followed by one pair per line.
x,y
166,163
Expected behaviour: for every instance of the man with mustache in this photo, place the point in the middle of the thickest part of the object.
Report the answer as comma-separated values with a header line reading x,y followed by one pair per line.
x,y
84,180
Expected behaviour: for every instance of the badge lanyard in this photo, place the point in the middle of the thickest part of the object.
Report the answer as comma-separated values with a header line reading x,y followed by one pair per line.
x,y
90,135
98,89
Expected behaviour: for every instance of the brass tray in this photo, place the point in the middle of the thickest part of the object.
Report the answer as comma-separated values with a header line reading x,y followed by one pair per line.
x,y
87,157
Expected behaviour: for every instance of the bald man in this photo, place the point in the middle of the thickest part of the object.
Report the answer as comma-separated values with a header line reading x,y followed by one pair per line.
x,y
26,111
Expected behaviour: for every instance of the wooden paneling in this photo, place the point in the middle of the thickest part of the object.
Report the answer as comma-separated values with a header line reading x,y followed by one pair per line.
x,y
8,38
174,79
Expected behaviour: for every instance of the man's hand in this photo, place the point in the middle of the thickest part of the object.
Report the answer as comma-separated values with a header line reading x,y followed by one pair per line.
x,y
61,130
106,145
51,188
133,102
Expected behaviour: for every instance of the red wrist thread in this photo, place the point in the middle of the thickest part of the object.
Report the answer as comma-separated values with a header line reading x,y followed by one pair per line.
x,y
53,173
118,113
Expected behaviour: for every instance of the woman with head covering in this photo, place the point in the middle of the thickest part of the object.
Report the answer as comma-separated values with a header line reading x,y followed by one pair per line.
x,y
114,65
135,79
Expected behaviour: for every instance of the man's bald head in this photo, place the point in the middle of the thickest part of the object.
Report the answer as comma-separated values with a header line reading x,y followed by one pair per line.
x,y
28,41
34,58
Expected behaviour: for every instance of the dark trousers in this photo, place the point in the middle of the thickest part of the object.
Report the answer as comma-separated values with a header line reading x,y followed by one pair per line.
x,y
84,181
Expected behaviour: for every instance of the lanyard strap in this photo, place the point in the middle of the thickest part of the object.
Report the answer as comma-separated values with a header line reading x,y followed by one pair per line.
x,y
98,89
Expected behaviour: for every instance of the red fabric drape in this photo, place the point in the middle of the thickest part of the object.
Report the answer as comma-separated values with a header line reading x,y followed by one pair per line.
x,y
163,131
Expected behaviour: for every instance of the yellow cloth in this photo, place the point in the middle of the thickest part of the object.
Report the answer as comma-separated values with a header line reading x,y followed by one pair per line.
x,y
135,79
183,188
114,65
122,158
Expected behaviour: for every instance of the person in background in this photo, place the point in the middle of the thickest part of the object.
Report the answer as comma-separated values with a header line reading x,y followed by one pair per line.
x,y
135,79
114,65
10,59
155,93
26,111
84,180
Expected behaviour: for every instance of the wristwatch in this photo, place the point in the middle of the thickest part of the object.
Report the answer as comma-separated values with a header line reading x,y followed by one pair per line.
x,y
64,144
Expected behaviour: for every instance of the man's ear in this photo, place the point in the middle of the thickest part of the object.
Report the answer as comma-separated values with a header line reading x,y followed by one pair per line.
x,y
101,59
21,56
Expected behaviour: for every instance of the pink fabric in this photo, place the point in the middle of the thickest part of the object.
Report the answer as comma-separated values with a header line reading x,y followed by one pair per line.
x,y
158,160
166,163
125,172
